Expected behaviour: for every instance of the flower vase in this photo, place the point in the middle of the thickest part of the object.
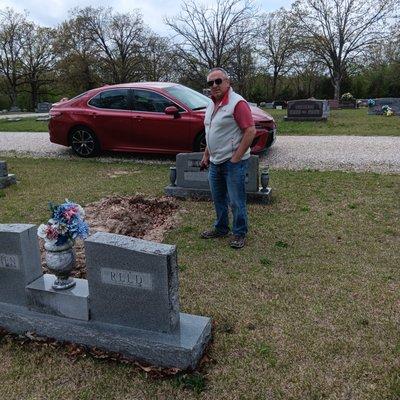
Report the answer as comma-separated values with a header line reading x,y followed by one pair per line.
x,y
60,260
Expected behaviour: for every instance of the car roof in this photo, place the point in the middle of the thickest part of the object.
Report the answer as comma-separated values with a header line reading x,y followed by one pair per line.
x,y
156,85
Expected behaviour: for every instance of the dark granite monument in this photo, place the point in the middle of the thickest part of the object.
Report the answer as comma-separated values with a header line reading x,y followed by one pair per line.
x,y
307,110
43,107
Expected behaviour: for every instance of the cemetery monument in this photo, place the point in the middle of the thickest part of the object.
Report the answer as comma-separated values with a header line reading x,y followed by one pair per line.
x,y
129,304
187,180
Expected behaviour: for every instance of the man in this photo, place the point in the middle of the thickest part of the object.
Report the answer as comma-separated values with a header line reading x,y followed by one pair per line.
x,y
229,133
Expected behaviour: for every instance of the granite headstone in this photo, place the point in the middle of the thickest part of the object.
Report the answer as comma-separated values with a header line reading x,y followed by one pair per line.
x,y
19,261
132,282
307,110
6,179
192,182
392,102
43,107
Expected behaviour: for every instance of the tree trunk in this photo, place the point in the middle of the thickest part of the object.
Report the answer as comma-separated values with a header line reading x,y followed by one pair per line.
x,y
274,85
34,94
13,97
336,86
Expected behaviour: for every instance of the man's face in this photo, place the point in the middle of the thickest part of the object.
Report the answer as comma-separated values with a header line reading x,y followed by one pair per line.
x,y
218,91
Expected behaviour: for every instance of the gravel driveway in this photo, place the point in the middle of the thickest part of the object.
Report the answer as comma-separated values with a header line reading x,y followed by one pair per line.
x,y
348,153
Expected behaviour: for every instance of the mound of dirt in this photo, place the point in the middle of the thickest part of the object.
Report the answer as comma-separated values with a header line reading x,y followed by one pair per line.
x,y
136,216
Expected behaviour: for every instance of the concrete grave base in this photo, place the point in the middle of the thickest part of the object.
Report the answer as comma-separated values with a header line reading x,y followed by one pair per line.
x,y
182,349
186,193
7,180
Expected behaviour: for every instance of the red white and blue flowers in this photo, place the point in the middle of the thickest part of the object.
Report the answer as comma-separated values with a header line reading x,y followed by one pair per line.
x,y
65,225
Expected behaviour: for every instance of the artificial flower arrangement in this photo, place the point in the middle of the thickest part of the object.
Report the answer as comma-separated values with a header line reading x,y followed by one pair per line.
x,y
347,97
371,102
65,225
386,110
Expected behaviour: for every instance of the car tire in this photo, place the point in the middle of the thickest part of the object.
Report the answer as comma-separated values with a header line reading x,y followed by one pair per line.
x,y
200,143
84,142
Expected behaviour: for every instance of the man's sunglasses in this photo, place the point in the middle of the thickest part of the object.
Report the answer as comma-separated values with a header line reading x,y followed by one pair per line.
x,y
217,81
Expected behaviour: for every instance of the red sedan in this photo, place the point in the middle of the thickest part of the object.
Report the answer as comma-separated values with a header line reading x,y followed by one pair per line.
x,y
146,117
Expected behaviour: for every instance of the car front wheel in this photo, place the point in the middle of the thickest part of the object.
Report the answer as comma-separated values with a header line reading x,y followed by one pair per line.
x,y
84,142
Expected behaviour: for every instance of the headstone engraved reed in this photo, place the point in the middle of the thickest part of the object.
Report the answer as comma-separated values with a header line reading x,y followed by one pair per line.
x,y
139,276
128,305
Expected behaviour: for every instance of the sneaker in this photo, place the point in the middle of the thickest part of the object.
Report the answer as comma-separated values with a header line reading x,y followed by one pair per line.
x,y
237,242
212,234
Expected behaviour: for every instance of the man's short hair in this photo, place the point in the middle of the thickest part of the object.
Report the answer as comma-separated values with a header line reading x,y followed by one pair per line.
x,y
219,69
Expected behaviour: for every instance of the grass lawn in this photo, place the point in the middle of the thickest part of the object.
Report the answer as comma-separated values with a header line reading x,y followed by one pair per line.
x,y
25,125
308,310
340,122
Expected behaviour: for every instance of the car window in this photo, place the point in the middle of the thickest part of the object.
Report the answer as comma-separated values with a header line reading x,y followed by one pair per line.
x,y
116,99
193,99
146,100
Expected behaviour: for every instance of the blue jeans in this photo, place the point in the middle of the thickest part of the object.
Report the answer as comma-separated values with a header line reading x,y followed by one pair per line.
x,y
227,183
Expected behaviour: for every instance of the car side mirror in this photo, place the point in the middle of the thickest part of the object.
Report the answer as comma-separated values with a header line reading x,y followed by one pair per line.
x,y
172,110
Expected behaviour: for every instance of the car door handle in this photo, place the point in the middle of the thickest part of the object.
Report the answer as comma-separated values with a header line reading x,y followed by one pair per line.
x,y
138,118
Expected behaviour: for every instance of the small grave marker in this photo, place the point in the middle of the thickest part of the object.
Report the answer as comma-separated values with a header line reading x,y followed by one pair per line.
x,y
6,179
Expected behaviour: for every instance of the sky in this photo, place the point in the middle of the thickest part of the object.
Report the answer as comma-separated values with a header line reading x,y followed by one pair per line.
x,y
52,12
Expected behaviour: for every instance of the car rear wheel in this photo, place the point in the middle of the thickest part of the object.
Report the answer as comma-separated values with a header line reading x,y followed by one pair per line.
x,y
200,143
84,142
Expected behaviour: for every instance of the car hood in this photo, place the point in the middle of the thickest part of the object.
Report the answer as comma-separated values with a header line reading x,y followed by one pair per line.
x,y
260,115
257,113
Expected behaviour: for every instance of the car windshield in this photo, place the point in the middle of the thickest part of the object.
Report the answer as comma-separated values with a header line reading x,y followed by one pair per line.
x,y
193,99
